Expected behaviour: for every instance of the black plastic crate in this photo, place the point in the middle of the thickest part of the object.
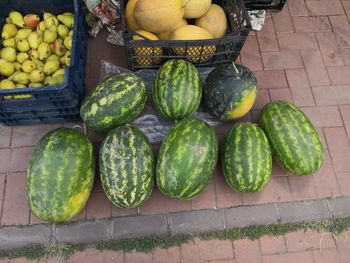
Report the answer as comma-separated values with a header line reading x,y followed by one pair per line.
x,y
272,5
227,48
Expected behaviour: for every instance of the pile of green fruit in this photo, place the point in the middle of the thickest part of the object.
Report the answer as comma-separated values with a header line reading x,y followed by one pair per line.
x,y
34,53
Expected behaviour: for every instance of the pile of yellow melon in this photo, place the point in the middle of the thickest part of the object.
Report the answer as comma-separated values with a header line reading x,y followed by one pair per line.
x,y
166,20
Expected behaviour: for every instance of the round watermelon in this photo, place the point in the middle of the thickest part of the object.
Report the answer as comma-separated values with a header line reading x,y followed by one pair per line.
x,y
60,175
246,158
187,159
127,167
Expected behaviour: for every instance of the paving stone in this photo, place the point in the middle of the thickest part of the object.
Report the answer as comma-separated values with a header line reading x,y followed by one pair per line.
x,y
345,113
326,256
301,257
267,37
341,27
340,207
250,54
308,240
280,94
84,232
311,24
262,99
344,183
196,221
344,255
346,5
300,87
13,236
272,245
98,206
343,241
96,256
2,186
206,199
302,188
327,8
345,52
323,116
136,226
277,170
331,53
323,138
339,75
285,59
315,68
137,257
271,79
223,261
297,8
30,135
247,251
300,40
117,212
20,159
303,211
332,95
169,255
5,157
283,21
251,215
5,136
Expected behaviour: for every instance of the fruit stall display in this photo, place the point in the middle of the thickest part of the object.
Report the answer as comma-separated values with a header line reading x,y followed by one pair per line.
x,y
42,61
272,5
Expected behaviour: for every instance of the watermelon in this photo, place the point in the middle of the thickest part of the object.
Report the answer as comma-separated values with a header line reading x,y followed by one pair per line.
x,y
177,89
294,141
187,159
246,158
115,102
60,175
230,91
127,167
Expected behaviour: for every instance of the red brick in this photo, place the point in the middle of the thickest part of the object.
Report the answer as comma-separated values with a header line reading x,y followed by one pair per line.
x,y
315,68
344,255
272,245
311,24
225,196
332,95
339,148
123,212
267,37
331,53
282,60
300,87
341,28
343,240
277,170
326,256
307,240
96,256
327,7
138,257
280,94
201,250
339,75
80,216
346,5
300,257
34,220
169,255
2,186
20,159
206,199
15,209
323,139
302,188
223,261
325,180
29,135
159,203
302,40
22,260
344,183
297,8
345,113
247,251
276,190
250,54
323,116
345,52
283,21
98,206
271,79
262,99
255,115
5,157
5,136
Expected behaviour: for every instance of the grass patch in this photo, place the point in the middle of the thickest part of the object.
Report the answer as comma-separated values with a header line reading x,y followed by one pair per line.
x,y
147,244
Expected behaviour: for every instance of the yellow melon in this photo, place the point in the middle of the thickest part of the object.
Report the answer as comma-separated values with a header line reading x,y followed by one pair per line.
x,y
158,15
196,54
214,21
196,8
167,35
129,15
147,56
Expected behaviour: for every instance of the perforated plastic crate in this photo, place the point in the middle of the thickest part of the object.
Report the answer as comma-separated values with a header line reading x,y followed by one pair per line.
x,y
272,5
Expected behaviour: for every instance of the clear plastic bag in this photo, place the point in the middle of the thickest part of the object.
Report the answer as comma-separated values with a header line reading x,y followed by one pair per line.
x,y
150,122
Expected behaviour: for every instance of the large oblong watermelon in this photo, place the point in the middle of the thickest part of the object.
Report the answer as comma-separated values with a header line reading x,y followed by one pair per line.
x,y
114,102
294,141
187,159
127,167
246,158
60,175
177,89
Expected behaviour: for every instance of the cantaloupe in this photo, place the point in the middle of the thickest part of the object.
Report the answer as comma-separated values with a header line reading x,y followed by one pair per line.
x,y
167,35
147,56
196,8
129,16
191,32
214,21
158,15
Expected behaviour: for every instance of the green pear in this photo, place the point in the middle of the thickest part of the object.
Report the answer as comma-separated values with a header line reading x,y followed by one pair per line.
x,y
35,85
11,42
68,14
67,20
28,66
59,47
44,50
2,60
70,33
20,86
23,33
53,57
22,45
34,40
62,31
54,81
39,64
31,20
41,26
68,42
7,69
65,60
18,66
58,72
33,54
17,19
50,34
8,31
51,21
21,57
22,78
7,84
37,76
13,76
47,15
8,53
51,67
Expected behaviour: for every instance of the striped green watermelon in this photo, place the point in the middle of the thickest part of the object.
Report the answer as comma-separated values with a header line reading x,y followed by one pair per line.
x,y
177,89
115,102
60,175
127,167
294,141
187,159
246,158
